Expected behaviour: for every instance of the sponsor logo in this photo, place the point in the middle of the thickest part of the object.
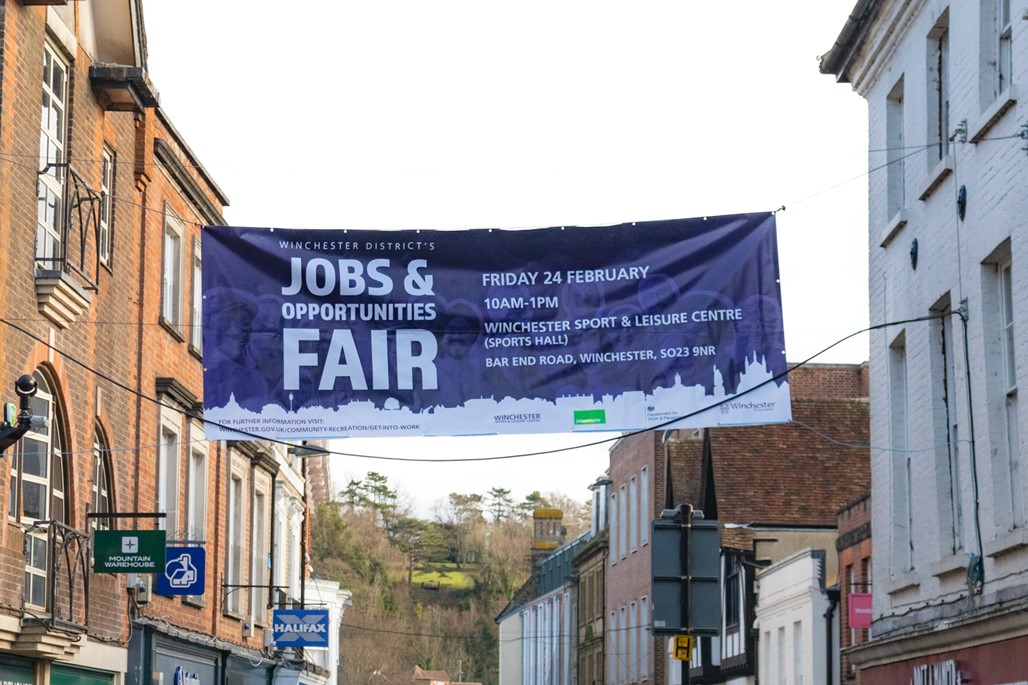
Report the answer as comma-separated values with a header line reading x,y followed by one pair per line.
x,y
517,418
749,406
586,417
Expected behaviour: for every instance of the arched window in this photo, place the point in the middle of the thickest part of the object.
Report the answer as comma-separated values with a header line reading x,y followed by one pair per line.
x,y
38,487
102,498
37,467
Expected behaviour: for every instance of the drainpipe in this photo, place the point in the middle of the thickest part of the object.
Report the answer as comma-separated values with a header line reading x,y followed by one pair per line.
x,y
833,600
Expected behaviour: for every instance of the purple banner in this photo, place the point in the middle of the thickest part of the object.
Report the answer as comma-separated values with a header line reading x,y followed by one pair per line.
x,y
315,334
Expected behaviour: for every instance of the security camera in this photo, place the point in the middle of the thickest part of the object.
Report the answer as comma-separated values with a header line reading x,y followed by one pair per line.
x,y
26,386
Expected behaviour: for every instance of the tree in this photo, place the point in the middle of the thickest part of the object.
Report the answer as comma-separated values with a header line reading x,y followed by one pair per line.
x,y
461,523
533,500
501,505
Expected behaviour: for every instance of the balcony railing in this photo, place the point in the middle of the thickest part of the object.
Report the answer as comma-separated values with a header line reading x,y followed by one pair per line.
x,y
67,578
79,252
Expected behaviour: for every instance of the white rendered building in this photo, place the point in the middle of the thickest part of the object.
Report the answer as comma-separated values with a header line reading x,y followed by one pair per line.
x,y
948,232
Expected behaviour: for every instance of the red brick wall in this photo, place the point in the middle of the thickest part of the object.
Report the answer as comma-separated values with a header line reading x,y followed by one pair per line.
x,y
829,381
105,364
628,579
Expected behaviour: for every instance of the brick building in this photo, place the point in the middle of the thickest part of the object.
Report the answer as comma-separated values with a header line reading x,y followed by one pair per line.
x,y
947,225
101,207
775,491
855,583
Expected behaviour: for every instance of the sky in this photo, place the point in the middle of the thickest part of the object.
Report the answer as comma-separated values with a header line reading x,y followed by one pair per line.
x,y
405,114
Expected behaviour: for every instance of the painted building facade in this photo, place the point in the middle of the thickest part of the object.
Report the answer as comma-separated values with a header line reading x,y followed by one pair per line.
x,y
947,233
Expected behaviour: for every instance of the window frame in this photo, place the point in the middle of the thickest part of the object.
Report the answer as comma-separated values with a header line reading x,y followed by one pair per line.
x,y
196,302
1004,284
938,78
105,216
169,469
172,272
895,153
51,184
53,489
102,484
235,553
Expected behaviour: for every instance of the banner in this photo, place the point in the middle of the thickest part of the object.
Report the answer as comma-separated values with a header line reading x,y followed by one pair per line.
x,y
321,334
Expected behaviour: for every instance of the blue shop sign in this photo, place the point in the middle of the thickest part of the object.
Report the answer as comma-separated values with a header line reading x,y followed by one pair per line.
x,y
184,573
300,627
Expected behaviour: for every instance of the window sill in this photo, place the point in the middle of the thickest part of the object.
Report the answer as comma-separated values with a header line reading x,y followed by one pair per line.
x,y
895,225
195,351
903,582
172,328
1012,541
937,175
954,563
995,111
194,601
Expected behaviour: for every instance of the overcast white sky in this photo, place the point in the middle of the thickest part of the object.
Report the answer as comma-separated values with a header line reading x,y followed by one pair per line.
x,y
493,114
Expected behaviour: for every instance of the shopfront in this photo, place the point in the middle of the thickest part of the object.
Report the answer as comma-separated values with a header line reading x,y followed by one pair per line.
x,y
996,663
17,671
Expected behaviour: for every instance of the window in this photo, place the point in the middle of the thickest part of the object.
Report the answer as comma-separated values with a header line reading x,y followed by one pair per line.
x,y
1004,68
105,222
235,545
644,504
101,501
633,508
611,647
196,320
1013,450
37,483
902,500
938,90
196,497
733,590
946,429
259,558
633,637
623,522
780,649
53,174
37,488
168,473
644,645
895,151
996,62
615,521
622,651
171,274
797,652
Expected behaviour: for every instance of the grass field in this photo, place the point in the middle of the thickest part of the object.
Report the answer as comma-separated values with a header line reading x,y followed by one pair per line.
x,y
432,576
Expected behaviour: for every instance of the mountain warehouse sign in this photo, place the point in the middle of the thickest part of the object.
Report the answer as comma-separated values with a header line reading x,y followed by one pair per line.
x,y
320,334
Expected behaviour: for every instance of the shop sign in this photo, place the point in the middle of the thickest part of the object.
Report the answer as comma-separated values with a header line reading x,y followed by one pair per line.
x,y
860,610
943,673
300,627
184,573
128,551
